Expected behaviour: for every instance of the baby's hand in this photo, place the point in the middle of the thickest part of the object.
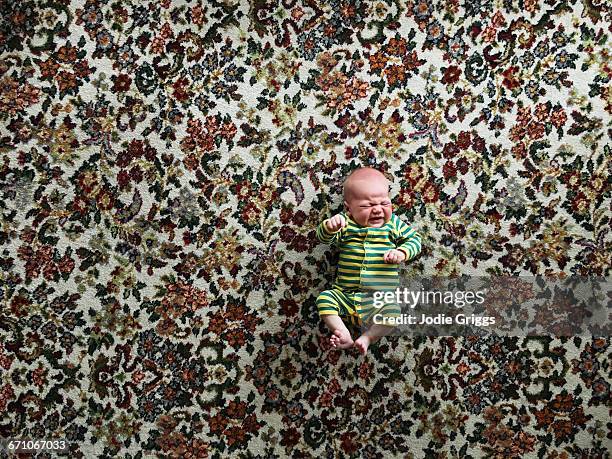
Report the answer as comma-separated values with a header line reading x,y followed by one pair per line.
x,y
335,223
394,256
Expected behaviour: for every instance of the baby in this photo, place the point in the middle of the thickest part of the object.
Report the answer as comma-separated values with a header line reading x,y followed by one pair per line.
x,y
372,242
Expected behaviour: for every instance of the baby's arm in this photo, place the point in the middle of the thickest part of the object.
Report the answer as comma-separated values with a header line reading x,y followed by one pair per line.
x,y
408,243
329,230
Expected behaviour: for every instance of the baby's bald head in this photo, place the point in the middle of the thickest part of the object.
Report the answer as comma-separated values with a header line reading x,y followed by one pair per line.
x,y
363,176
366,197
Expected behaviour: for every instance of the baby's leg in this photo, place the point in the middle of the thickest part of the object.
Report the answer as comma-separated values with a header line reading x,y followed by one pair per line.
x,y
331,304
371,335
370,315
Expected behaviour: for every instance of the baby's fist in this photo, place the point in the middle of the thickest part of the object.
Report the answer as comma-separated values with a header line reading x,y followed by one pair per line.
x,y
335,223
394,256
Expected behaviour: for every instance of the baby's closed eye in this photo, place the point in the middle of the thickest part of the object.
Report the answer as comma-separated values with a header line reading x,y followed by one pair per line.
x,y
384,204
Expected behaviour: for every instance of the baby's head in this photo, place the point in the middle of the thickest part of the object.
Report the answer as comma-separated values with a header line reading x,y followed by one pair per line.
x,y
366,197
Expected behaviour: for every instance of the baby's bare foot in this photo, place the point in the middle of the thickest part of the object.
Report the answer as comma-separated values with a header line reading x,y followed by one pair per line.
x,y
341,339
363,342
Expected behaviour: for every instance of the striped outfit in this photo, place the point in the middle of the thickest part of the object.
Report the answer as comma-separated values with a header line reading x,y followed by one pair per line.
x,y
362,270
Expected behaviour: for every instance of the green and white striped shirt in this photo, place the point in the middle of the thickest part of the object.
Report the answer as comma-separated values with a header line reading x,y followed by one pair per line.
x,y
361,265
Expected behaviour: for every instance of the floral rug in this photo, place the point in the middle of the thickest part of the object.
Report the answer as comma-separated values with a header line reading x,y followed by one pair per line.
x,y
164,165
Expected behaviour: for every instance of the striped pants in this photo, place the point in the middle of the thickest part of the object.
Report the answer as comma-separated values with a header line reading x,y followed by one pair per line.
x,y
356,308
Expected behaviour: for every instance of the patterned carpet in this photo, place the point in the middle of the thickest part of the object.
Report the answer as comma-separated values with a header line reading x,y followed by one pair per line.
x,y
163,167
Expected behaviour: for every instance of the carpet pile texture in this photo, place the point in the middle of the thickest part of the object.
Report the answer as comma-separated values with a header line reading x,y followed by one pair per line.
x,y
164,165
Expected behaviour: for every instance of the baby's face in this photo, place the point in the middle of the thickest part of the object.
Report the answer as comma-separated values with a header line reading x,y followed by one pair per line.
x,y
368,203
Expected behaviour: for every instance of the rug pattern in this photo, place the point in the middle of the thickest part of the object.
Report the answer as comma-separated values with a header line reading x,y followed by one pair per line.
x,y
163,167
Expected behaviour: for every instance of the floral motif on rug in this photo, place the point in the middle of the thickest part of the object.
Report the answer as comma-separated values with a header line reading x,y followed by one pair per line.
x,y
163,168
